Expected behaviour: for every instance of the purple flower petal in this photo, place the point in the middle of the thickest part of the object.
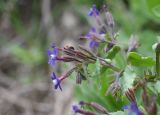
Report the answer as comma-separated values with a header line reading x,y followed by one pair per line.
x,y
52,62
55,51
93,11
91,35
87,36
101,33
132,108
93,44
93,30
53,45
56,81
49,52
90,13
75,109
53,76
57,84
52,56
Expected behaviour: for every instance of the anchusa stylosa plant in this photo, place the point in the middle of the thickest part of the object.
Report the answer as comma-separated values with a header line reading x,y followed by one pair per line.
x,y
136,80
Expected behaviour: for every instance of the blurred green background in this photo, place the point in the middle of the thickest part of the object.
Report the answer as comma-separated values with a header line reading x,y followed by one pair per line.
x,y
29,27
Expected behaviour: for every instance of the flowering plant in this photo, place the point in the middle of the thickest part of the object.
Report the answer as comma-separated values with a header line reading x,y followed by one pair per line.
x,y
124,75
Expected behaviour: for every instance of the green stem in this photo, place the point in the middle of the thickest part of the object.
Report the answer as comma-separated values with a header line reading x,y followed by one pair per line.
x,y
157,60
109,65
104,62
157,64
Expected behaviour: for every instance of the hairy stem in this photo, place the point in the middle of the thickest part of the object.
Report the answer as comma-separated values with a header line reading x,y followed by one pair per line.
x,y
114,68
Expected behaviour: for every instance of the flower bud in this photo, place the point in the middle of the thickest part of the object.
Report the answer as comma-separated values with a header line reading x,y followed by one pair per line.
x,y
99,108
109,19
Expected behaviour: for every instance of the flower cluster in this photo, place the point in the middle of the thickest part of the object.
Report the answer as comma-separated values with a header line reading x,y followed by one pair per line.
x,y
81,57
95,36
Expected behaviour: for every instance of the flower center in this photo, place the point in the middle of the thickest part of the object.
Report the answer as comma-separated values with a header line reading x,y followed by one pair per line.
x,y
52,56
55,81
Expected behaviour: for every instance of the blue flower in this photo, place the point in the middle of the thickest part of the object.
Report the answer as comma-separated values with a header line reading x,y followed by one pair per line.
x,y
132,108
93,44
52,54
93,36
56,81
89,34
75,109
93,11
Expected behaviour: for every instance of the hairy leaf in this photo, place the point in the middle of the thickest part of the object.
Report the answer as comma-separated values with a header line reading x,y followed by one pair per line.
x,y
128,78
138,60
117,113
112,53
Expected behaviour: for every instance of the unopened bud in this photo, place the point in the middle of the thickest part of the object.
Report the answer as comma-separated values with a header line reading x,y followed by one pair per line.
x,y
133,43
153,107
67,59
86,51
130,95
78,78
109,19
99,108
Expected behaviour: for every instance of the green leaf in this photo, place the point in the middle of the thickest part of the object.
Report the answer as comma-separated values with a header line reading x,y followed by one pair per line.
x,y
138,60
152,9
91,68
101,48
128,78
84,67
117,113
156,10
157,86
112,53
107,36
